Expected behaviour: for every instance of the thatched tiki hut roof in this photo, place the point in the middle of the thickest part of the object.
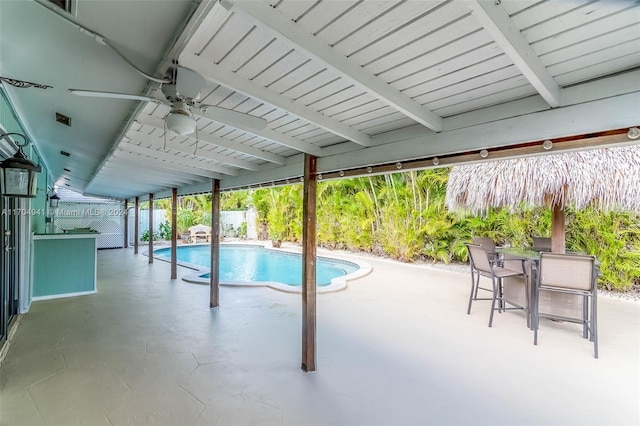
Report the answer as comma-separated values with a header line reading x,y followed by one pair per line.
x,y
607,179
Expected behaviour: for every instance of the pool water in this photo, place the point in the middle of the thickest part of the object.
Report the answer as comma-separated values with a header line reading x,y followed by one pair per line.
x,y
254,263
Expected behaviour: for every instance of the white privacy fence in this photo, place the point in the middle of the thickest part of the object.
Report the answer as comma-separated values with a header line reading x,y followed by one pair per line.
x,y
108,218
159,216
230,222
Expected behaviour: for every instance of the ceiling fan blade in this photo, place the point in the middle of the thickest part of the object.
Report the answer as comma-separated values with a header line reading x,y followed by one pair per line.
x,y
99,94
227,116
22,83
189,83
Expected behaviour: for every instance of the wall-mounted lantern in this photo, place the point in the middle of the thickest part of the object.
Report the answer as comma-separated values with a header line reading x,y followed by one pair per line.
x,y
54,200
18,174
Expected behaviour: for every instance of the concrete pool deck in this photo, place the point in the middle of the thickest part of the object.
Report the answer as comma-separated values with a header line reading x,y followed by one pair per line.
x,y
395,348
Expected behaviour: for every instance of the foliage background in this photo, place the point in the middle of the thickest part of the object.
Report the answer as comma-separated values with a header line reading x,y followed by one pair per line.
x,y
403,216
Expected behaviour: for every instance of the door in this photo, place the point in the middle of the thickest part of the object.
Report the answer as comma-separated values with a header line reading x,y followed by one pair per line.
x,y
9,264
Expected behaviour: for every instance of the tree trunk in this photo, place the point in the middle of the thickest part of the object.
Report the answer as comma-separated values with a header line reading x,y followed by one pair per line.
x,y
557,229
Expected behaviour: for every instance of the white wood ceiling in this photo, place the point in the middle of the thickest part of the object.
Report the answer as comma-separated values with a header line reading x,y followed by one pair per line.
x,y
360,83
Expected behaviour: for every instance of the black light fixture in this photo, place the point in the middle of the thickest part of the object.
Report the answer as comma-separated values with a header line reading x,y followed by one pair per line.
x,y
18,174
54,200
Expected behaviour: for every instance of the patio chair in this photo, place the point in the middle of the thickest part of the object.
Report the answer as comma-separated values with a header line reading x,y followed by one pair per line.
x,y
488,244
483,264
574,275
541,244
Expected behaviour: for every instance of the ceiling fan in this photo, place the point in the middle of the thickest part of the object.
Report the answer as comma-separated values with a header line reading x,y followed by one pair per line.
x,y
22,84
181,94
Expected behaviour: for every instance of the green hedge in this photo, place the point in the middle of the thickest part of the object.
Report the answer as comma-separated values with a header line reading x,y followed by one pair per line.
x,y
403,216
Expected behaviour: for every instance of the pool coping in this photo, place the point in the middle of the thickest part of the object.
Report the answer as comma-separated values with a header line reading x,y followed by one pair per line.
x,y
337,284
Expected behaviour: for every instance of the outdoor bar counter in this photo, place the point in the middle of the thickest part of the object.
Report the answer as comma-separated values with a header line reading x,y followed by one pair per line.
x,y
64,265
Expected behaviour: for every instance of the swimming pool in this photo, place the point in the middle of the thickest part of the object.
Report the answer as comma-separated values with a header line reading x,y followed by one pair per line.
x,y
250,263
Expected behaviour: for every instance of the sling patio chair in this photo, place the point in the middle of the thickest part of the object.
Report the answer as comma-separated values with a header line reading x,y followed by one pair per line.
x,y
541,244
488,244
570,274
482,264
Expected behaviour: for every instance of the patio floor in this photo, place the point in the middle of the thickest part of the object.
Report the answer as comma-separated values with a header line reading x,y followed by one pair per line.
x,y
395,348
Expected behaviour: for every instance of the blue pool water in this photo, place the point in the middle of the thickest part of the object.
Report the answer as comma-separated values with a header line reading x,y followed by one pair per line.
x,y
254,263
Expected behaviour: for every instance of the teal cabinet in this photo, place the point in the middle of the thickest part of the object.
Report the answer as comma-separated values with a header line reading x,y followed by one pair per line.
x,y
64,265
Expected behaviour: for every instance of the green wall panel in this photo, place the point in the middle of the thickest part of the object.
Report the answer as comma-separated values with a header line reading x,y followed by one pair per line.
x,y
9,123
63,266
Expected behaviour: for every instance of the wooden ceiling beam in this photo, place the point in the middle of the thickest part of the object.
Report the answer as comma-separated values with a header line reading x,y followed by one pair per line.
x,y
179,159
218,75
149,175
149,120
190,147
157,168
309,45
145,161
497,22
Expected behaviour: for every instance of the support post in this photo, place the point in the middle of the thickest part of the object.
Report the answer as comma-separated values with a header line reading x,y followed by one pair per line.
x,y
150,228
557,229
126,224
214,274
174,234
309,264
136,225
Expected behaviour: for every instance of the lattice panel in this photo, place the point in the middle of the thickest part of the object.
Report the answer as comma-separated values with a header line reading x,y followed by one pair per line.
x,y
107,219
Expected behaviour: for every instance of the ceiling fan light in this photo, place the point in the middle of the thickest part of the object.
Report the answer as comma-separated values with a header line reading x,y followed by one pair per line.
x,y
181,123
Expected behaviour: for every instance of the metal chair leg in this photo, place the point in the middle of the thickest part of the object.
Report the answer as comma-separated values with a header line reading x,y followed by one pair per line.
x,y
585,317
493,301
474,290
535,321
594,324
475,296
527,302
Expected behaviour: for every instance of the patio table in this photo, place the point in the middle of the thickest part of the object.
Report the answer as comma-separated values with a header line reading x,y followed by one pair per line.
x,y
559,304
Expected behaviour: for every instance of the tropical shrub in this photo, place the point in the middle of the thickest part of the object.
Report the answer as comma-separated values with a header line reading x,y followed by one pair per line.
x,y
145,235
184,219
242,230
404,216
164,231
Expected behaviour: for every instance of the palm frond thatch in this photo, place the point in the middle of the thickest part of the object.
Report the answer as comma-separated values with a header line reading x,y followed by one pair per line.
x,y
607,179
